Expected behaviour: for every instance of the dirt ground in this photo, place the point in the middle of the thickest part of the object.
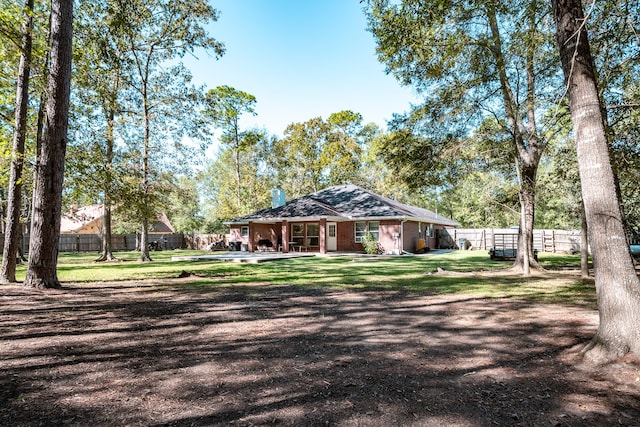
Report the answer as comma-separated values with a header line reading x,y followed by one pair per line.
x,y
144,354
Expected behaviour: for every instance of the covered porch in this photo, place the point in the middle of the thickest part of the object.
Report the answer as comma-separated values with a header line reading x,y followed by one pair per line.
x,y
308,235
320,235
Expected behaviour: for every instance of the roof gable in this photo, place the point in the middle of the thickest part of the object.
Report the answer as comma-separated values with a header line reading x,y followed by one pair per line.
x,y
79,218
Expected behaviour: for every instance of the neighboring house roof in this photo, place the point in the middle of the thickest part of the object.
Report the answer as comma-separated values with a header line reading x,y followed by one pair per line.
x,y
162,224
343,202
88,219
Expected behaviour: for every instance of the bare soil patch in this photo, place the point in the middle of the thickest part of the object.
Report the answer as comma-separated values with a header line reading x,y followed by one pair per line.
x,y
165,354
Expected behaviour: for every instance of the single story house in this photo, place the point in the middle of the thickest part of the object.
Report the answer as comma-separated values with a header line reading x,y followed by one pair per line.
x,y
337,219
89,220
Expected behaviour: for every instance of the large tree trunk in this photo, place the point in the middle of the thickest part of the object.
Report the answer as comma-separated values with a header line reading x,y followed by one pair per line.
x,y
236,148
107,254
525,258
47,195
527,146
14,201
144,241
617,285
144,236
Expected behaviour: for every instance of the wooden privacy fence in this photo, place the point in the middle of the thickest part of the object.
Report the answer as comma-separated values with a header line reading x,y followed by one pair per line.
x,y
558,241
119,242
450,238
203,241
127,242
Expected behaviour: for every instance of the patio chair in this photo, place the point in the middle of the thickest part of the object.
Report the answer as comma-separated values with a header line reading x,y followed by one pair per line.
x,y
306,245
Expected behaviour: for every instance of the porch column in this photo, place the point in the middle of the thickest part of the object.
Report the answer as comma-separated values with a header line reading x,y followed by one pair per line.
x,y
323,236
285,236
250,242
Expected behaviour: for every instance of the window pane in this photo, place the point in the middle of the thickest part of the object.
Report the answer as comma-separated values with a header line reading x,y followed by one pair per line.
x,y
297,230
313,230
297,233
374,230
361,229
313,233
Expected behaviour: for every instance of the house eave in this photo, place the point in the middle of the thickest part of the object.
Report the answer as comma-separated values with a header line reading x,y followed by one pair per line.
x,y
405,218
341,219
288,219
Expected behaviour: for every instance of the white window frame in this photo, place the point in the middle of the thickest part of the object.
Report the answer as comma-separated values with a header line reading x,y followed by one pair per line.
x,y
297,233
332,230
313,239
244,231
376,232
359,234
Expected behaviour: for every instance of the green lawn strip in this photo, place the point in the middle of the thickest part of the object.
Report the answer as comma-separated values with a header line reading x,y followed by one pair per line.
x,y
447,273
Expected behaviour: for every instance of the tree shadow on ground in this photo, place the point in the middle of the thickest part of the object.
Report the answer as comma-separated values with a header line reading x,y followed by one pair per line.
x,y
284,355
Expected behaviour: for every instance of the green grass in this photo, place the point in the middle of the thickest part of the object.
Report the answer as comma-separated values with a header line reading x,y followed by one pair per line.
x,y
406,274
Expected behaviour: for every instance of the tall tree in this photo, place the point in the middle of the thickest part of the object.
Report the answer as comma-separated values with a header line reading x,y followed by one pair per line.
x,y
617,284
156,33
219,186
183,205
225,105
297,157
47,195
473,61
100,90
11,22
342,153
615,47
14,200
318,153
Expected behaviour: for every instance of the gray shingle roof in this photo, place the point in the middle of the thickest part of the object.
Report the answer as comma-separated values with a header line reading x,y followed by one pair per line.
x,y
345,201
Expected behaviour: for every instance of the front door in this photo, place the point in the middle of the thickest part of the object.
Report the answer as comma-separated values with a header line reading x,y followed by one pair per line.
x,y
332,238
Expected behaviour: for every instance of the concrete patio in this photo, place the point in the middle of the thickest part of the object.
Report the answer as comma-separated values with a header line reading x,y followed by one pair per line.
x,y
257,257
247,257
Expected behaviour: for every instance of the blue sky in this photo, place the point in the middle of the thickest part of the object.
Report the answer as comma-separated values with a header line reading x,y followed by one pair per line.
x,y
300,59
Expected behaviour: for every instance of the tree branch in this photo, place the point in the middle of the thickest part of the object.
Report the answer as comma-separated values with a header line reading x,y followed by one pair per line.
x,y
621,106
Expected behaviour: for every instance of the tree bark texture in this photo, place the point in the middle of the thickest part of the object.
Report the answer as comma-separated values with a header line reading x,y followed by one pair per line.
x,y
527,193
617,285
144,241
107,254
584,243
14,198
47,194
